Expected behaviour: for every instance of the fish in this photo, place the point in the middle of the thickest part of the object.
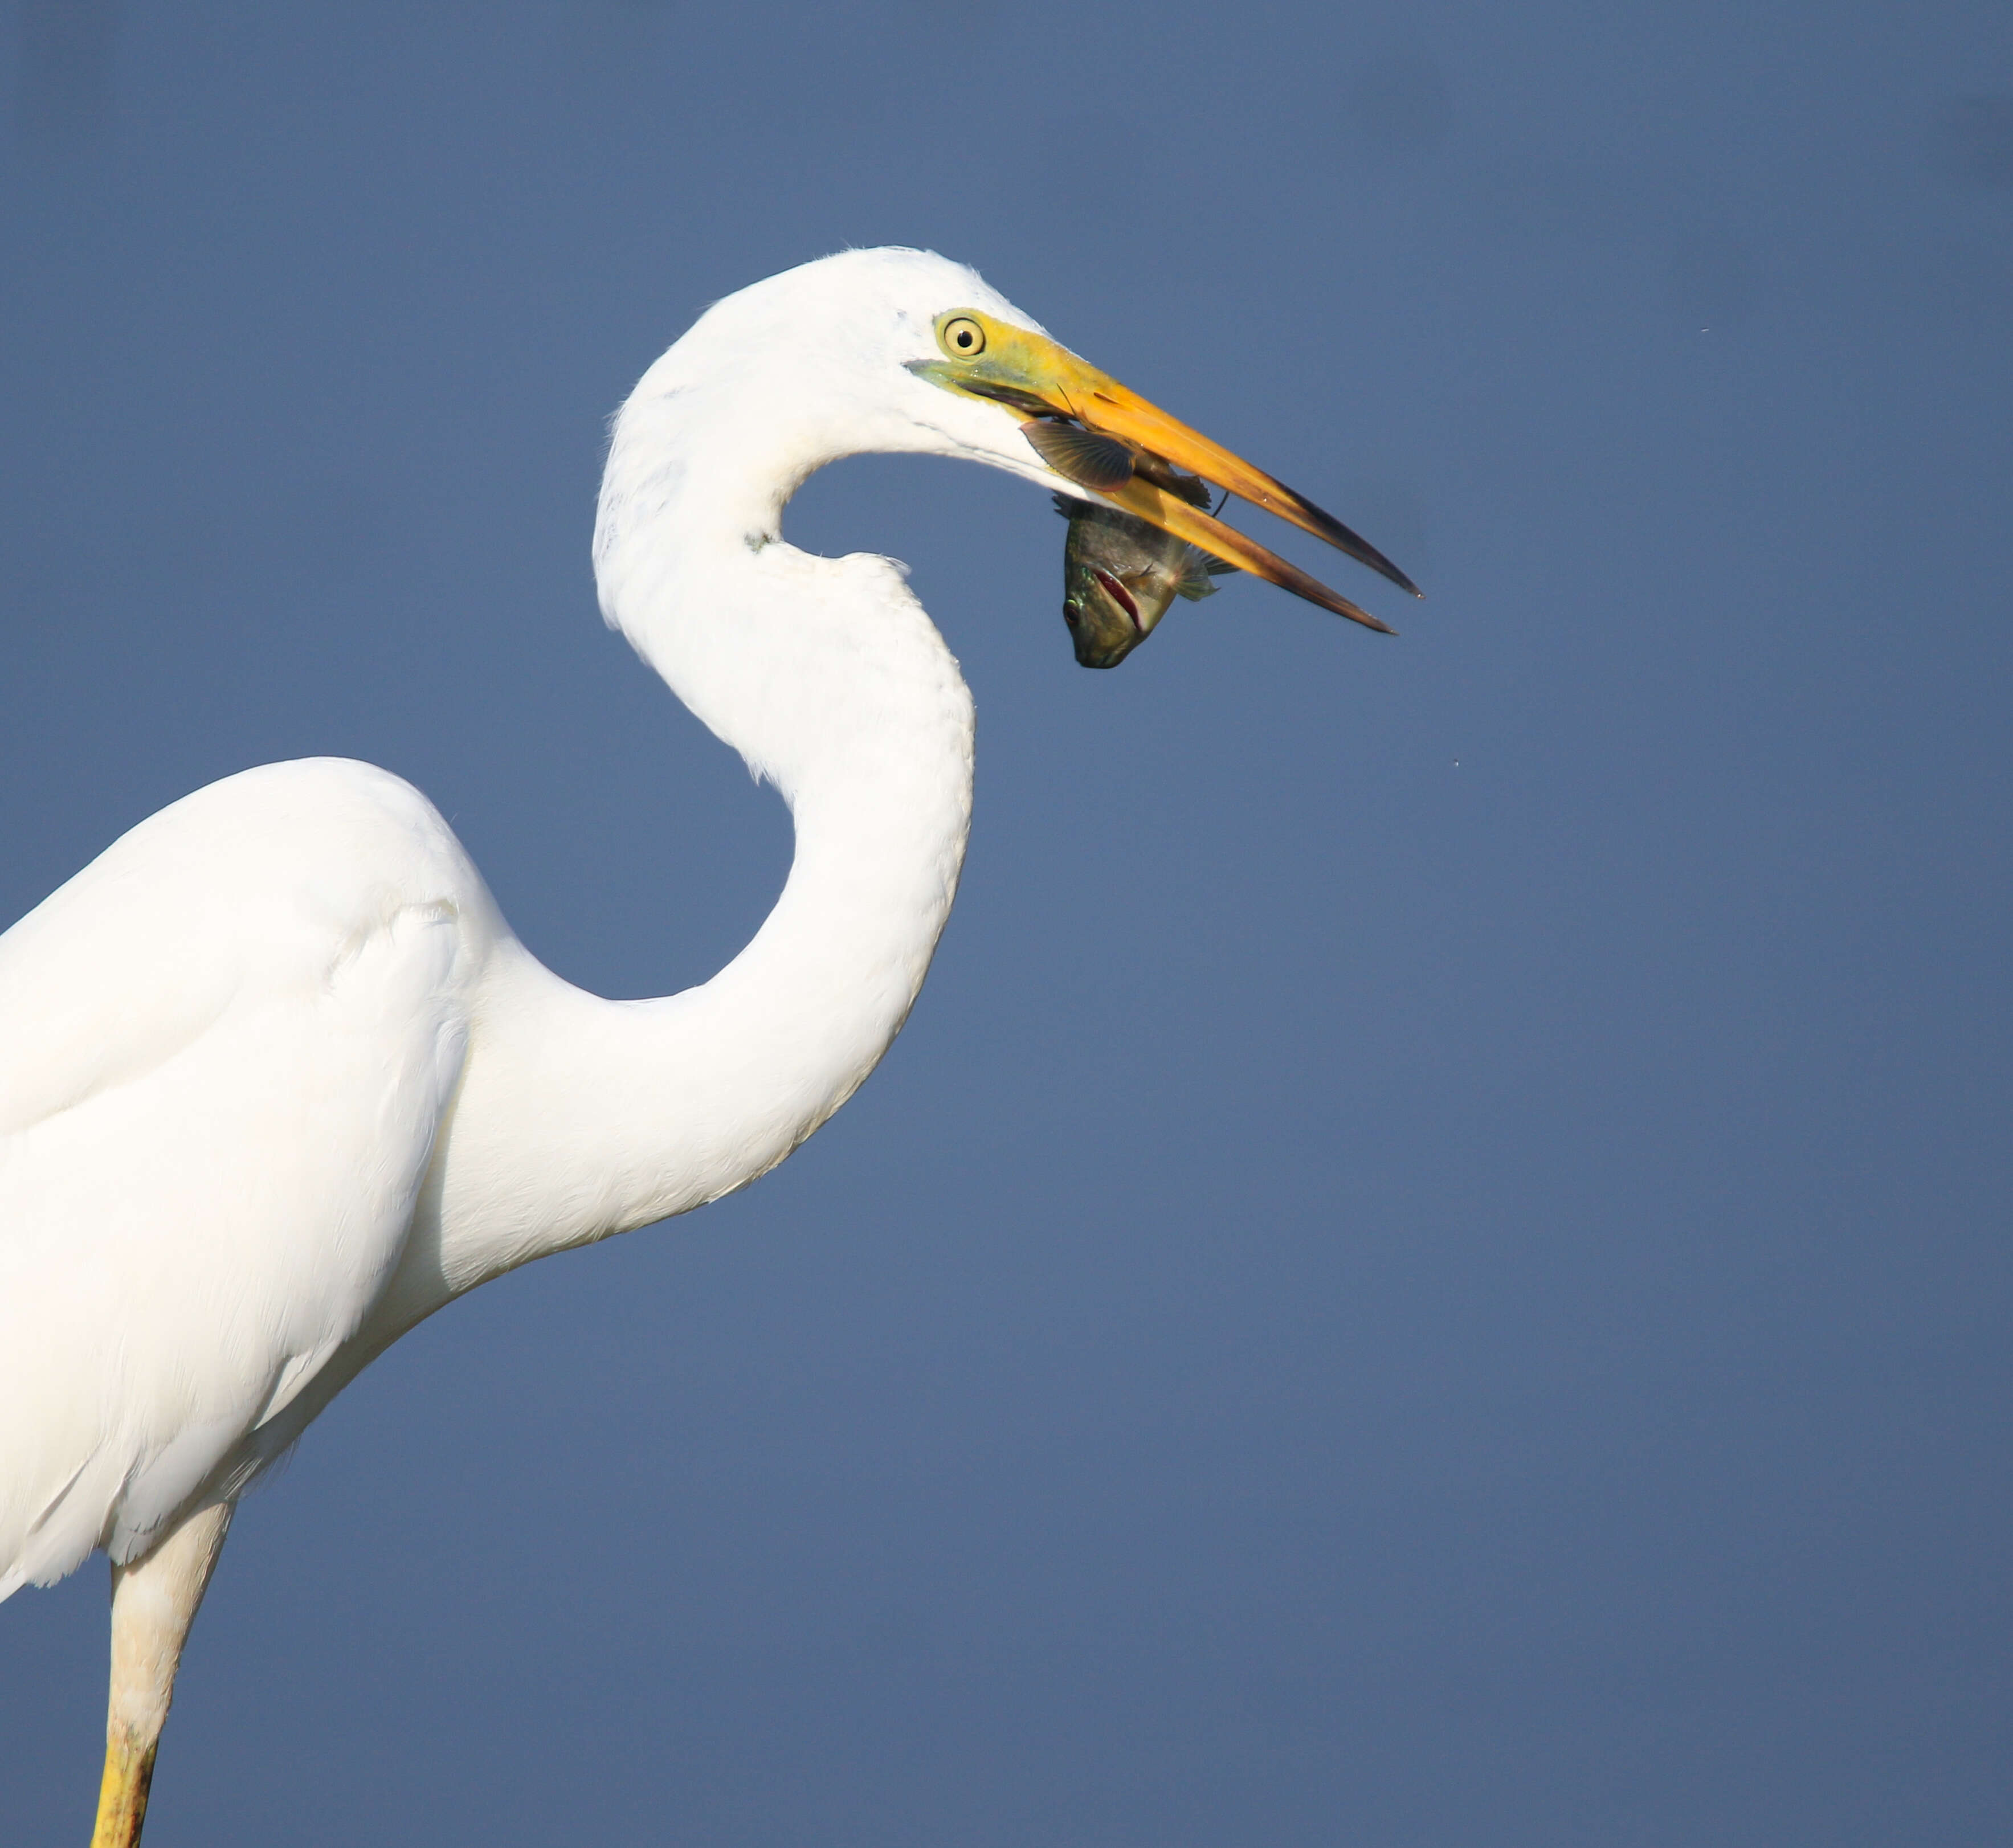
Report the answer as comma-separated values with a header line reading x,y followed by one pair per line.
x,y
1119,576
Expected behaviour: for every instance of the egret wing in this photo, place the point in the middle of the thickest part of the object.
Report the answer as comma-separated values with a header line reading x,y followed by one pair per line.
x,y
226,1048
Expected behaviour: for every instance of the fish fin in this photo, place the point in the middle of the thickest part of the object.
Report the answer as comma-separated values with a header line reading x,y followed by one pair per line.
x,y
1101,463
1195,582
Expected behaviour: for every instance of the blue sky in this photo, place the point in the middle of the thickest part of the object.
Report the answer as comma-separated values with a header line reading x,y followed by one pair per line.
x,y
1431,1265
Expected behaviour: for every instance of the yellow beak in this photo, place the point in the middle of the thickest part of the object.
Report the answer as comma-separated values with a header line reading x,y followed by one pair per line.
x,y
1124,459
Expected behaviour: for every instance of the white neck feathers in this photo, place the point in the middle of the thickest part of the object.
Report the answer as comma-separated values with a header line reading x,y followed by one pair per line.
x,y
581,1117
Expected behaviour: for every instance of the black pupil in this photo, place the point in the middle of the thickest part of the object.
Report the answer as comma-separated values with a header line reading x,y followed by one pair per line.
x,y
965,337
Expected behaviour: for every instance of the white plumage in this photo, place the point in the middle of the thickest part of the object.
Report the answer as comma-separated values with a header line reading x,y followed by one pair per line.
x,y
230,1043
276,1080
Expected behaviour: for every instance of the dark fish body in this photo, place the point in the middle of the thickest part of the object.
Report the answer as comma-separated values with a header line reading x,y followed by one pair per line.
x,y
1119,576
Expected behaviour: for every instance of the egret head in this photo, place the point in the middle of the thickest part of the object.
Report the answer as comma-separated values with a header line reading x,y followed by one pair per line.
x,y
904,351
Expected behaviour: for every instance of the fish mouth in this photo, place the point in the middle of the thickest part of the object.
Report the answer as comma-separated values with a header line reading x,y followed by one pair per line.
x,y
1119,594
1119,449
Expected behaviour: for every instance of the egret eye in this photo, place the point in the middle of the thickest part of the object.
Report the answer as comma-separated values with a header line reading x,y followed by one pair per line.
x,y
961,337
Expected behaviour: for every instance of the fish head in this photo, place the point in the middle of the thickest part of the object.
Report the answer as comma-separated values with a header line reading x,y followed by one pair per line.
x,y
1107,618
1120,574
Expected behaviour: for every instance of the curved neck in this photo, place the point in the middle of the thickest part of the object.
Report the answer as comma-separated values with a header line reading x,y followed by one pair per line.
x,y
580,1116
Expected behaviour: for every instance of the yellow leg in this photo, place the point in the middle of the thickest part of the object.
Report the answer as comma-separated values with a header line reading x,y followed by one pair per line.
x,y
122,1797
153,1601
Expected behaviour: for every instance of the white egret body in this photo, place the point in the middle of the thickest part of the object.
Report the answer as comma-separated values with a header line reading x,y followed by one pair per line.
x,y
276,1081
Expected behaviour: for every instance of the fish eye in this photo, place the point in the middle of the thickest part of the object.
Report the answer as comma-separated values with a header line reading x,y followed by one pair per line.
x,y
961,337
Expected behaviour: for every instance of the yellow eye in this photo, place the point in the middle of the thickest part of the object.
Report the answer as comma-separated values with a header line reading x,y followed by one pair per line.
x,y
961,337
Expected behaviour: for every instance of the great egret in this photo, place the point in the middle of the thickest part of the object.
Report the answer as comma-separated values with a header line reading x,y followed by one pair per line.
x,y
276,1081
